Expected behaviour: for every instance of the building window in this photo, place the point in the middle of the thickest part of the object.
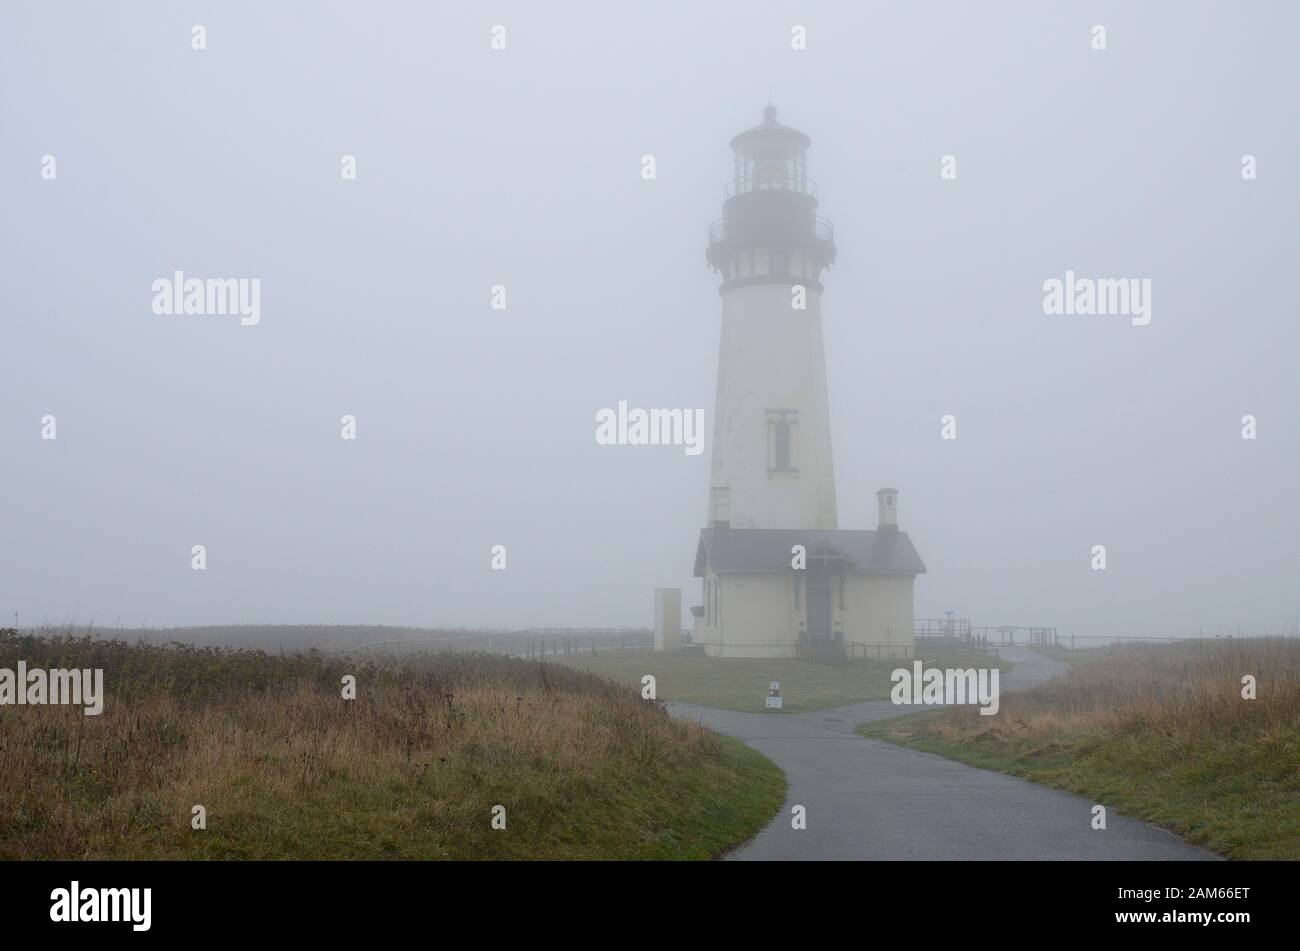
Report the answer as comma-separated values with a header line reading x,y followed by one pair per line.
x,y
720,506
783,443
782,432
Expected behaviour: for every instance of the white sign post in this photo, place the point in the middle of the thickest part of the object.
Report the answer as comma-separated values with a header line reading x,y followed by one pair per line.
x,y
774,696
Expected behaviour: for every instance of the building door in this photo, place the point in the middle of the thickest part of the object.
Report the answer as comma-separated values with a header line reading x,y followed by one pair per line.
x,y
820,581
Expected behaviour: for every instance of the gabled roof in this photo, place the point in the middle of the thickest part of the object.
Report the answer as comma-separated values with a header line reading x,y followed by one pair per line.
x,y
762,550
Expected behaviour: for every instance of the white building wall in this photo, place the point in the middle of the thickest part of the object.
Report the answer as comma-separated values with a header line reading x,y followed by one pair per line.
x,y
878,613
755,617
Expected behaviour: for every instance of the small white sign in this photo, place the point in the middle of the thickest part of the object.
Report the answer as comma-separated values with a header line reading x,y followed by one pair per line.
x,y
774,703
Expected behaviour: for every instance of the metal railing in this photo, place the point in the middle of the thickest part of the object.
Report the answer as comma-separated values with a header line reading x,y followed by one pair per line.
x,y
521,643
878,653
823,230
960,630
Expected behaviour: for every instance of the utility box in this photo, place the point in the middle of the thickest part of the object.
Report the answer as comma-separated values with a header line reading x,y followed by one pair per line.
x,y
668,619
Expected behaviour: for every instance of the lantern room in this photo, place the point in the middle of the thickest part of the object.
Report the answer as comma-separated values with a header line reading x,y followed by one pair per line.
x,y
769,231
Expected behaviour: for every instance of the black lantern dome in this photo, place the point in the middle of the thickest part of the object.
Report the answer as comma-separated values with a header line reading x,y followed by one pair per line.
x,y
769,232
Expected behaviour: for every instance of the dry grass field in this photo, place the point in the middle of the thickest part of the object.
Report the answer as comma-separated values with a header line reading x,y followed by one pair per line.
x,y
1158,732
410,769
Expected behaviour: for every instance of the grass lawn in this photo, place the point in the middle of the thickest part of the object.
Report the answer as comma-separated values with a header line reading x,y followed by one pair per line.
x,y
742,684
412,768
1160,733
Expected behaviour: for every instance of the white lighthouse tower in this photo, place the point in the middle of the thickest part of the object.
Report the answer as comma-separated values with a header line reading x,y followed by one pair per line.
x,y
772,440
779,577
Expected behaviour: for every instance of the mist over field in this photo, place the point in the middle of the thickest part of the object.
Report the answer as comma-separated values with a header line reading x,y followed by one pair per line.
x,y
522,168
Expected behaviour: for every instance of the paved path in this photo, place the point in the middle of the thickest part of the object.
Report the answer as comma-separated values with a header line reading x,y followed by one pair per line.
x,y
871,800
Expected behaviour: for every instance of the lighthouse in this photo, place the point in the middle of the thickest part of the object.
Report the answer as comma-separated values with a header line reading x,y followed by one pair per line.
x,y
779,577
771,465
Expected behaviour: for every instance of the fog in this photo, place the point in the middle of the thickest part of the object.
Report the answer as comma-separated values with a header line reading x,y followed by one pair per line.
x,y
522,167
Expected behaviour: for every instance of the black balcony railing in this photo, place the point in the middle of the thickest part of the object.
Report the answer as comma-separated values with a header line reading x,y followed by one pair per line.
x,y
823,230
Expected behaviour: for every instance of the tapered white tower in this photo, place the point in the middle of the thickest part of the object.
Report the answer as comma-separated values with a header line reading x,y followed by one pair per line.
x,y
771,440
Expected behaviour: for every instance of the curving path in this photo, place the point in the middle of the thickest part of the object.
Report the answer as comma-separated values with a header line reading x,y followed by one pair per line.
x,y
871,800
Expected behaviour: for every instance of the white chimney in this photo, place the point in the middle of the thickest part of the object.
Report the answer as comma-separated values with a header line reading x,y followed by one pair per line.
x,y
887,499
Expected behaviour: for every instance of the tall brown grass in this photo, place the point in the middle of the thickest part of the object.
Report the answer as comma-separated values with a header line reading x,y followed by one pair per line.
x,y
287,768
1178,692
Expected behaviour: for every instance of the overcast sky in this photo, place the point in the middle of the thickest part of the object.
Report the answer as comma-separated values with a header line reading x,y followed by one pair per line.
x,y
522,167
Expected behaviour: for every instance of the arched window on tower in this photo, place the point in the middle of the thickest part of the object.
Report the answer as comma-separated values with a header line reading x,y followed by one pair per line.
x,y
782,432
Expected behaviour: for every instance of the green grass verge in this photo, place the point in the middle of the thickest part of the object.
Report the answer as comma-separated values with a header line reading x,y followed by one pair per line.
x,y
413,767
689,812
1157,733
742,684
